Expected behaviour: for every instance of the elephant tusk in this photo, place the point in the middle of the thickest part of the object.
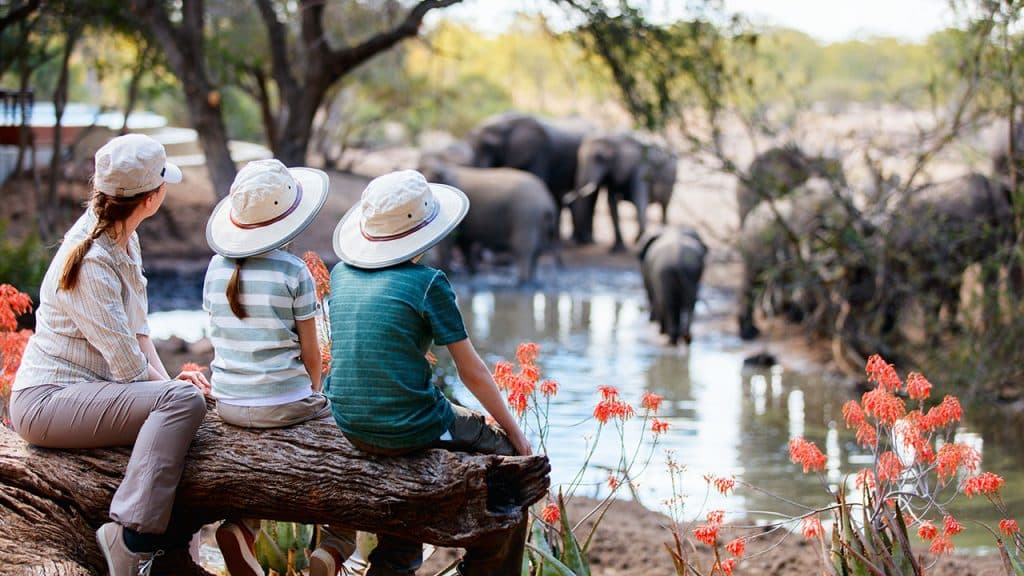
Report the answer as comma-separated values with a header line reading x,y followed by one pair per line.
x,y
588,189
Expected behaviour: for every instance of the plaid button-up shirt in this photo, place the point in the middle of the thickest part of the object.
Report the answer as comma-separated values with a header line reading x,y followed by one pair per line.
x,y
89,334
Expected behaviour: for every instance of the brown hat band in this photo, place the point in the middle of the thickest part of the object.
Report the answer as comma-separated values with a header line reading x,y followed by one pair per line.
x,y
275,219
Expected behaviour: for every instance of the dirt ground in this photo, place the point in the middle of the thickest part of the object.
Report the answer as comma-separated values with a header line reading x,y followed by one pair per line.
x,y
631,540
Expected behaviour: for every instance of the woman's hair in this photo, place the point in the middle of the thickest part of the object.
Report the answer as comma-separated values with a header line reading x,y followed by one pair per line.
x,y
234,292
111,212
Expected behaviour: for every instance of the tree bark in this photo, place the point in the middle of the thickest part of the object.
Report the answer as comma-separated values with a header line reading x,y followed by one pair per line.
x,y
301,97
52,501
184,47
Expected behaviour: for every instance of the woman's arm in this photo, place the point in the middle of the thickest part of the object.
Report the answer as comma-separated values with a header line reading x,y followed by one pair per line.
x,y
478,380
157,371
309,348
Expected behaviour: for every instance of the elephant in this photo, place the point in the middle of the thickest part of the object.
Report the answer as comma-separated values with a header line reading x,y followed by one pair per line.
x,y
628,170
545,149
778,171
936,234
672,263
510,211
775,244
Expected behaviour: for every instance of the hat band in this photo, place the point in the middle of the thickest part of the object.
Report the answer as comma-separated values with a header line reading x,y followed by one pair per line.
x,y
430,218
275,219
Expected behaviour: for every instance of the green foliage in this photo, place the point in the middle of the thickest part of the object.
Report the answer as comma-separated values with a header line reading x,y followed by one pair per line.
x,y
23,263
283,546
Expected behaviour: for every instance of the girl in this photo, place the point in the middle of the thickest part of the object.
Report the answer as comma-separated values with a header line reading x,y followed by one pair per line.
x,y
90,376
263,305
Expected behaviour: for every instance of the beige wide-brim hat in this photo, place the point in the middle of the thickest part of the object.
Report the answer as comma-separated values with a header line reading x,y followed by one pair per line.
x,y
269,205
399,216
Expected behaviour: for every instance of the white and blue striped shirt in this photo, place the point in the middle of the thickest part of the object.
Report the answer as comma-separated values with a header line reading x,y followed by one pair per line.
x,y
257,361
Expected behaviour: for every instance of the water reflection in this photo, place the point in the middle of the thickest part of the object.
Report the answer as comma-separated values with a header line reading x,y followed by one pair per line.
x,y
724,419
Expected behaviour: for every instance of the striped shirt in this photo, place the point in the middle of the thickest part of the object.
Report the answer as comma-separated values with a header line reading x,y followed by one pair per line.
x,y
257,361
382,323
89,334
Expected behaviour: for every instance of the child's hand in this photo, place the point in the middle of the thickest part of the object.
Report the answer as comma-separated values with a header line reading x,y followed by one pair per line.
x,y
197,379
521,444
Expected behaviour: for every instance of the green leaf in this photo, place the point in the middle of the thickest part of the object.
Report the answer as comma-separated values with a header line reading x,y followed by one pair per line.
x,y
268,554
561,569
540,540
571,554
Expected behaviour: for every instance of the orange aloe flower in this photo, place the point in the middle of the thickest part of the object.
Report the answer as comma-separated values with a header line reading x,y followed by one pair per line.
x,y
728,566
883,373
950,527
811,527
1008,526
927,531
321,277
550,514
724,485
706,534
737,547
13,303
650,401
918,387
984,483
659,426
549,387
941,546
807,454
526,353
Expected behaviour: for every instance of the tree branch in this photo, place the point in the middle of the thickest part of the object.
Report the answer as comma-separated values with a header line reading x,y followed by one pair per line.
x,y
18,14
340,62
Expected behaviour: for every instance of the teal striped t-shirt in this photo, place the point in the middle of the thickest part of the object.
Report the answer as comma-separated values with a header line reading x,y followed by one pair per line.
x,y
257,361
382,323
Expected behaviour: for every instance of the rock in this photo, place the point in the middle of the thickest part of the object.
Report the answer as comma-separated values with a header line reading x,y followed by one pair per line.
x,y
172,345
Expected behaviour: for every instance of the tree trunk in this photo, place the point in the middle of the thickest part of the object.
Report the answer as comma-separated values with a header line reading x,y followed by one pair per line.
x,y
49,209
52,501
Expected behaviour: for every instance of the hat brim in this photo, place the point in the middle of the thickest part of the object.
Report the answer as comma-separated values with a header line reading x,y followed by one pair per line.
x,y
355,249
230,241
172,174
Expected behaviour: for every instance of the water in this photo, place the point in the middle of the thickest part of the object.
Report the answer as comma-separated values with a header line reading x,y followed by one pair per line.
x,y
592,329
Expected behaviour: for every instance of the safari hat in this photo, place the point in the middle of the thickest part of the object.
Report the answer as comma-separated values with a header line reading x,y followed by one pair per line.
x,y
399,216
268,205
129,165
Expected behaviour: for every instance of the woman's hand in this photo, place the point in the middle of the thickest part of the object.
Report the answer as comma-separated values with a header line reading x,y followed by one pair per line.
x,y
197,379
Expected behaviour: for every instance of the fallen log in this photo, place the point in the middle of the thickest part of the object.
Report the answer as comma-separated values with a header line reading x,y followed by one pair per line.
x,y
52,501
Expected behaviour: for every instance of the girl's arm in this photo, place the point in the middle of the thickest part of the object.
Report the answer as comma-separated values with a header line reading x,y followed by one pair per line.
x,y
157,371
478,380
309,348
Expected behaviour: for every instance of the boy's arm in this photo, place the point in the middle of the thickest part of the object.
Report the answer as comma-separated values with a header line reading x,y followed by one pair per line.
x,y
309,349
478,380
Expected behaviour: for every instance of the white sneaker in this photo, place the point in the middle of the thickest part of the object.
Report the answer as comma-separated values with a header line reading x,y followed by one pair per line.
x,y
120,560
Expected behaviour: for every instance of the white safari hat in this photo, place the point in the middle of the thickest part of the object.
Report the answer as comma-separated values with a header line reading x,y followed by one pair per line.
x,y
399,216
267,207
132,164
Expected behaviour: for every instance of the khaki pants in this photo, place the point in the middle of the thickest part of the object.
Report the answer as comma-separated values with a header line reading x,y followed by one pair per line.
x,y
158,418
316,406
499,554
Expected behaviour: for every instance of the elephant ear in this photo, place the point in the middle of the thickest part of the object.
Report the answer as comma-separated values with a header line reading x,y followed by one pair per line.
x,y
645,241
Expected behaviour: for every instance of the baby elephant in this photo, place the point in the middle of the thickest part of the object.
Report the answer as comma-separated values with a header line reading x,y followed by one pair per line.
x,y
510,211
672,262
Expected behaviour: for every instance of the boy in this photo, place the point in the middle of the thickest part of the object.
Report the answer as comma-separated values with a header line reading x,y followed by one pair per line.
x,y
385,310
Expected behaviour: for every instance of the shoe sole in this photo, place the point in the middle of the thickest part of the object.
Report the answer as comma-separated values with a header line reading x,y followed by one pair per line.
x,y
320,566
230,542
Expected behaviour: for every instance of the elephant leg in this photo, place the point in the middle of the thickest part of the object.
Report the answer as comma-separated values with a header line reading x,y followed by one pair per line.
x,y
649,289
613,209
748,330
664,213
671,298
582,210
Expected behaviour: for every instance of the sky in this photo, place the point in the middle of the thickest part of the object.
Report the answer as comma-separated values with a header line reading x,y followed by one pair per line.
x,y
825,20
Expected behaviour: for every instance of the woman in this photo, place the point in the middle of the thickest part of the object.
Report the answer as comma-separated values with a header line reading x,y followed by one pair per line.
x,y
91,377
